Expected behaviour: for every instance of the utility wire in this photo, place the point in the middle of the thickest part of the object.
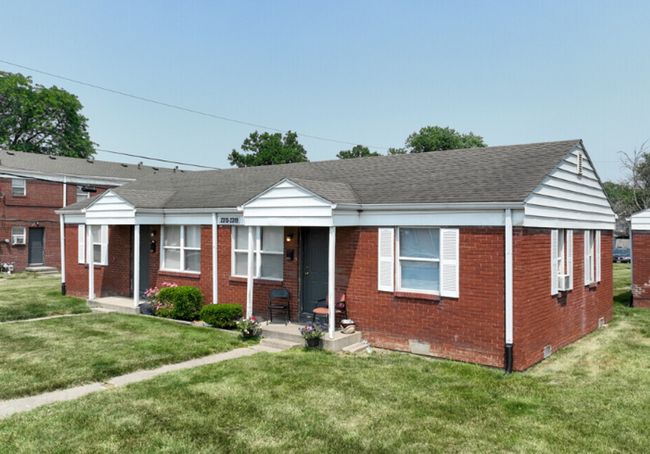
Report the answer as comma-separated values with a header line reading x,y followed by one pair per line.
x,y
172,106
156,159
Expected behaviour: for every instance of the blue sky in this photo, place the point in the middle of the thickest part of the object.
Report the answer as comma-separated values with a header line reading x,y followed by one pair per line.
x,y
368,72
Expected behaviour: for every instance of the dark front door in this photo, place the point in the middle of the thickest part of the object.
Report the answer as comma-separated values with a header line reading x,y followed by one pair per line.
x,y
315,243
36,246
145,241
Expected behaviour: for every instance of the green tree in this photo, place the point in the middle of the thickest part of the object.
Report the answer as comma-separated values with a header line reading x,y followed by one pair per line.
x,y
434,138
359,151
394,151
36,119
268,149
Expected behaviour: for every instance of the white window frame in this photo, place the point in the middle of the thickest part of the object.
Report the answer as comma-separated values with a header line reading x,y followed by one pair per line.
x,y
15,187
102,241
398,262
16,234
590,257
561,260
257,251
81,194
182,248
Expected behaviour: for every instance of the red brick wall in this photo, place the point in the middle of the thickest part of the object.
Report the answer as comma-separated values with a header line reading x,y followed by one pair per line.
x,y
541,319
641,268
35,209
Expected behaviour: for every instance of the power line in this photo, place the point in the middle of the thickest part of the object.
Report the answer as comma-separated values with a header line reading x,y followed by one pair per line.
x,y
156,159
185,109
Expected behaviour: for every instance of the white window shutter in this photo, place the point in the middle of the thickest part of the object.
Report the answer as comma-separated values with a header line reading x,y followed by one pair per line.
x,y
386,260
81,248
597,258
569,257
104,245
554,257
449,239
586,260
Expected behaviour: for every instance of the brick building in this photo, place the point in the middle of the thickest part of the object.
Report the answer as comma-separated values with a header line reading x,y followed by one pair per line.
x,y
640,247
498,255
33,186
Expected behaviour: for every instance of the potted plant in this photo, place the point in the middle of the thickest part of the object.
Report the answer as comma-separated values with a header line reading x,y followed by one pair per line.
x,y
248,327
312,333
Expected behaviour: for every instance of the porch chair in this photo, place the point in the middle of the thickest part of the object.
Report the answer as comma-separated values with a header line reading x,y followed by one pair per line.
x,y
339,306
279,294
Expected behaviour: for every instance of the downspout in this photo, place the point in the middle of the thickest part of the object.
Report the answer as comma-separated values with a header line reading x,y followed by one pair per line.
x,y
630,303
62,237
508,293
215,275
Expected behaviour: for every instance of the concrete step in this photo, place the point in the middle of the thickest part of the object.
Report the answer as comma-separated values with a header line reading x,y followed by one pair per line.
x,y
113,307
280,344
355,348
101,310
42,269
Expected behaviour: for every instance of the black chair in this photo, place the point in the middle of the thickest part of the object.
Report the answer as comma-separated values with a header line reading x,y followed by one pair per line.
x,y
279,294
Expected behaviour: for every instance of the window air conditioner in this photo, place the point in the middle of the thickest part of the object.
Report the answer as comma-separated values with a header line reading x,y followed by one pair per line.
x,y
563,282
18,240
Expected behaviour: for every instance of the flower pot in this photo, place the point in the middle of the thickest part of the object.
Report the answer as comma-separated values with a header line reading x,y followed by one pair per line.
x,y
313,343
247,334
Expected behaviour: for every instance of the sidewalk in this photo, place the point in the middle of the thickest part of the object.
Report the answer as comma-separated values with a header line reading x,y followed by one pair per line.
x,y
9,407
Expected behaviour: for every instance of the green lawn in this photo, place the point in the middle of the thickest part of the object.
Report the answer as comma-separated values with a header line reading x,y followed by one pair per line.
x,y
29,295
591,397
45,355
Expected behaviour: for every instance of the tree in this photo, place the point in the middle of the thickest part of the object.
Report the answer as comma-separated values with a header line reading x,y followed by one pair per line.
x,y
359,151
634,192
269,149
434,138
36,119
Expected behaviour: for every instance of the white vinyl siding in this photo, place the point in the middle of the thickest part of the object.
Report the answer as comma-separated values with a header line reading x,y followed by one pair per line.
x,y
100,244
268,252
181,249
18,235
18,186
385,263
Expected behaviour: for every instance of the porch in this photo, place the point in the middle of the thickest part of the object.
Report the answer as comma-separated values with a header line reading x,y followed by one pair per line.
x,y
289,337
113,304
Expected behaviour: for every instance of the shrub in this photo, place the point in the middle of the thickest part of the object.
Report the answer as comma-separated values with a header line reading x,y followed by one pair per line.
x,y
181,303
222,315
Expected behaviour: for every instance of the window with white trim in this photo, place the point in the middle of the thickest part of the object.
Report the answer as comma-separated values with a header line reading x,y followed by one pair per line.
x,y
18,186
561,261
268,252
100,244
81,195
418,264
181,249
592,257
18,235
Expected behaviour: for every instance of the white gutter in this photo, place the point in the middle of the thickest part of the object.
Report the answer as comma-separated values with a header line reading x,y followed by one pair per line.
x,y
433,206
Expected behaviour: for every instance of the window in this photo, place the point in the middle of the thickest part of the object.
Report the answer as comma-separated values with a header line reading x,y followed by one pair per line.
x,y
268,252
18,186
81,195
419,260
561,261
592,256
100,244
18,235
427,260
181,249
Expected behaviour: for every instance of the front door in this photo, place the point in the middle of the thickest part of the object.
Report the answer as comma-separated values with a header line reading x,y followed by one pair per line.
x,y
315,243
35,255
144,259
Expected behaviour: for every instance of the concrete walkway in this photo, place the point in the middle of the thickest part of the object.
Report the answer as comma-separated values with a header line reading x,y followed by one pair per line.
x,y
44,318
9,407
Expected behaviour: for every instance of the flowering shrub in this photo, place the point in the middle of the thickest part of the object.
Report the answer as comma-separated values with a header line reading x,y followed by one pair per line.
x,y
313,331
248,326
153,294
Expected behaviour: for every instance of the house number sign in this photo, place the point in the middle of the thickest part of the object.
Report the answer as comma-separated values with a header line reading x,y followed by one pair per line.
x,y
230,220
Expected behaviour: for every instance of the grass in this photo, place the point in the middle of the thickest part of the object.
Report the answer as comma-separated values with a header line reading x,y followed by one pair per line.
x,y
29,295
45,355
592,396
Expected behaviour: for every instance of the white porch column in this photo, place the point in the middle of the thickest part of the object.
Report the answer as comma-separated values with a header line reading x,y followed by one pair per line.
x,y
136,266
90,259
331,278
62,238
215,257
508,278
251,275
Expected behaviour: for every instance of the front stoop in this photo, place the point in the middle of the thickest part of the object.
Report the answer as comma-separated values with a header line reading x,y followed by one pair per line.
x,y
114,304
291,333
42,269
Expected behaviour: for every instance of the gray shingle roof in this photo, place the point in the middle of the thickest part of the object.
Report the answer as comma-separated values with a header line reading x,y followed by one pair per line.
x,y
493,174
74,166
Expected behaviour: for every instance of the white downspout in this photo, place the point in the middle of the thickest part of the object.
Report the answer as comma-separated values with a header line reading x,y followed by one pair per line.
x,y
62,238
331,278
215,257
136,266
250,276
508,291
91,262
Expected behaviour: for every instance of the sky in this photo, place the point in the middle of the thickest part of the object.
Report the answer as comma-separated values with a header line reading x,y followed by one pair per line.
x,y
354,71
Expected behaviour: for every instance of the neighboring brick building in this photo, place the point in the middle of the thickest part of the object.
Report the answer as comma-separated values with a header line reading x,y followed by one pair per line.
x,y
498,255
33,186
640,242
